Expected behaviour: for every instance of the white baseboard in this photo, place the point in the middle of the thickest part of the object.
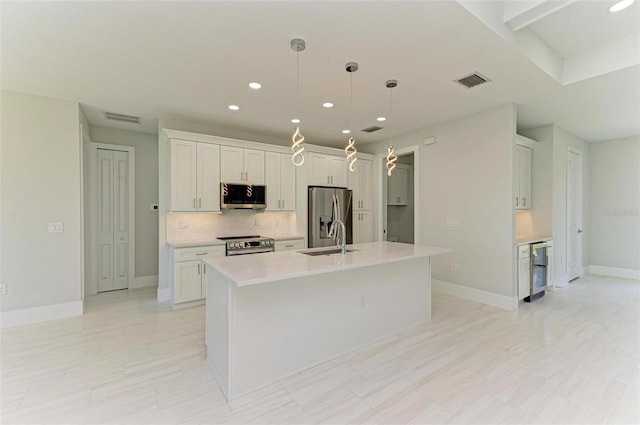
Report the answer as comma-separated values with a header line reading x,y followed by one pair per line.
x,y
27,316
163,294
615,272
473,294
143,282
561,281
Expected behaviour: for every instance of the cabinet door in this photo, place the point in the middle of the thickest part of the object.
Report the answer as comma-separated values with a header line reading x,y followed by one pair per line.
x,y
289,245
183,175
272,180
287,183
187,281
319,169
208,182
232,165
524,177
363,190
254,166
397,186
362,227
524,277
338,167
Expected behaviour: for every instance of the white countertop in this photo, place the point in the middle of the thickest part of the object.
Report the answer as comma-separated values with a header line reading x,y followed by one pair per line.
x,y
247,270
525,240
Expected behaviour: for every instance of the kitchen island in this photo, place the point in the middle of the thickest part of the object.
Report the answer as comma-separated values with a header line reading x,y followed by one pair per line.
x,y
273,314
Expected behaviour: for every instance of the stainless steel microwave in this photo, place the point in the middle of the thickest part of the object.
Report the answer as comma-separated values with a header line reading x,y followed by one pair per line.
x,y
242,196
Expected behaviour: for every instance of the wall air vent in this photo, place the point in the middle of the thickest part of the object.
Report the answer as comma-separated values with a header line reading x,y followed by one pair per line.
x,y
371,129
122,118
472,80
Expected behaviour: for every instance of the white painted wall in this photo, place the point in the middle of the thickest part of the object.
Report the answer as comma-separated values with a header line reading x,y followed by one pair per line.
x,y
146,187
615,203
467,175
41,183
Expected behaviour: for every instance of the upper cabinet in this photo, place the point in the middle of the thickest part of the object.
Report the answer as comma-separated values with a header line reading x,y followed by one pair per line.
x,y
398,183
243,166
280,178
327,170
522,183
195,176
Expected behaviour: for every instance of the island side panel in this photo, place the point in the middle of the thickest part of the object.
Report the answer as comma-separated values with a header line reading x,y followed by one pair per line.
x,y
217,326
283,327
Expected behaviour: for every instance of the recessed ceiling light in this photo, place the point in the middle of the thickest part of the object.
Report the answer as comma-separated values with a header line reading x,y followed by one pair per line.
x,y
327,105
346,131
381,119
233,107
255,86
620,5
295,121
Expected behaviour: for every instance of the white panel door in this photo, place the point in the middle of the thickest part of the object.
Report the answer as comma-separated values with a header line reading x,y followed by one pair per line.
x,y
208,181
362,227
232,165
112,220
254,166
272,180
287,183
183,175
574,214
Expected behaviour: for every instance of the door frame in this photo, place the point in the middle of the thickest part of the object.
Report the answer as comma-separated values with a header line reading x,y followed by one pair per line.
x,y
576,151
382,184
92,248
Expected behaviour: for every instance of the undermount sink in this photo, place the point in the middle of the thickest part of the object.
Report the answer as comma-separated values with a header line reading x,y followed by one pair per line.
x,y
328,251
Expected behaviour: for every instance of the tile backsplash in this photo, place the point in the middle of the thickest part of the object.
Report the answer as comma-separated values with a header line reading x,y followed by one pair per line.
x,y
193,227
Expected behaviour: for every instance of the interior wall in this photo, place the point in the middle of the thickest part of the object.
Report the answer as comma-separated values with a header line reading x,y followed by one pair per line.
x,y
615,203
41,184
466,176
146,187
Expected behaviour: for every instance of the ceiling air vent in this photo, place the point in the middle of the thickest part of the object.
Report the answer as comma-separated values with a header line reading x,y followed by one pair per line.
x,y
122,118
372,129
472,80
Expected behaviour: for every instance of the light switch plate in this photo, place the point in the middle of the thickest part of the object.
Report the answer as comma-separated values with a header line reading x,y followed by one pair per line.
x,y
451,222
56,228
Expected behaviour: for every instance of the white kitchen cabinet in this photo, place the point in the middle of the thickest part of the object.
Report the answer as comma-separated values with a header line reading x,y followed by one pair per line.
x,y
289,244
362,226
397,184
195,176
522,184
242,166
327,170
362,185
524,271
189,272
280,179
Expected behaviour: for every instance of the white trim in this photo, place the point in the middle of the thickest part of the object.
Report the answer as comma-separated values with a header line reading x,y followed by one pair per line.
x,y
92,285
27,316
473,294
614,272
163,294
579,216
143,282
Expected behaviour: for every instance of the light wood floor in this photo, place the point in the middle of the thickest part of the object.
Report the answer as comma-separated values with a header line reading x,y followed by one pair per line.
x,y
571,357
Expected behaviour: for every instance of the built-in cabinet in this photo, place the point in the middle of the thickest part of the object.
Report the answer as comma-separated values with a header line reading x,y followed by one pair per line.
x,y
363,227
195,176
189,272
522,183
242,166
524,271
361,182
280,179
397,185
289,244
327,170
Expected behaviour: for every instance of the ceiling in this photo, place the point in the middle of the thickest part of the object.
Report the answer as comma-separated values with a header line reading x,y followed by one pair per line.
x,y
187,61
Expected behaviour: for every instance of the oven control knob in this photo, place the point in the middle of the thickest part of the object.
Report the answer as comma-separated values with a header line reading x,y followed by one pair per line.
x,y
236,245
270,243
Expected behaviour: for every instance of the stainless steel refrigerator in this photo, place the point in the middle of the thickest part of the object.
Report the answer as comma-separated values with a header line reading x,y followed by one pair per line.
x,y
326,205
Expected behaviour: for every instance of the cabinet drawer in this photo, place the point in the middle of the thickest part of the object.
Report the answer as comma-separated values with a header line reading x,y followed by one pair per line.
x,y
289,244
523,251
196,253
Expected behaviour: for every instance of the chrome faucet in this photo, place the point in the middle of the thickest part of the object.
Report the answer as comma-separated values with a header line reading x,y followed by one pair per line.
x,y
341,243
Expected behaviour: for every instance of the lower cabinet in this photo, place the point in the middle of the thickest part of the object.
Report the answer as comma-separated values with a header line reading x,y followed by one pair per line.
x,y
524,271
362,227
289,244
189,279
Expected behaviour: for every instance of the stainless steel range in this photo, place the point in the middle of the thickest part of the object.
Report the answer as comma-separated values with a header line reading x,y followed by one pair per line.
x,y
253,244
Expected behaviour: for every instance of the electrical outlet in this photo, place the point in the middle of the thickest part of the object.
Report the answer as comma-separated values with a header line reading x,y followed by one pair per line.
x,y
257,222
55,228
3,289
451,222
454,267
183,225
363,301
154,207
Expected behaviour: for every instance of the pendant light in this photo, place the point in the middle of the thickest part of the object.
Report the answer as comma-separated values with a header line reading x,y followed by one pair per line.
x,y
391,156
351,150
297,45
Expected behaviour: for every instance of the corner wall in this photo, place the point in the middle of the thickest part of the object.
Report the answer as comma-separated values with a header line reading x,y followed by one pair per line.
x,y
41,184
